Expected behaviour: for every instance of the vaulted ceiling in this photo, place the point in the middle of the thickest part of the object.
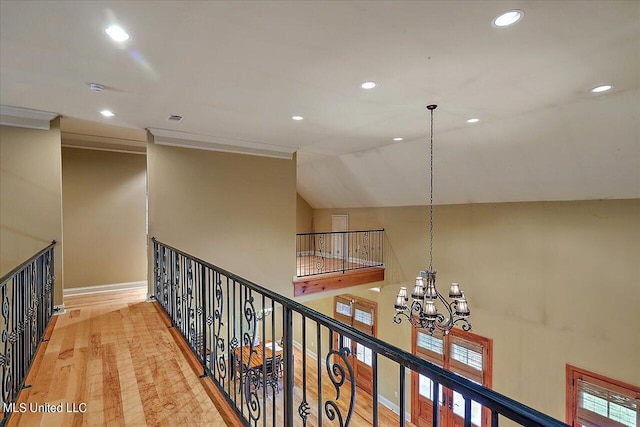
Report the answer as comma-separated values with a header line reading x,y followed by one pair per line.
x,y
238,72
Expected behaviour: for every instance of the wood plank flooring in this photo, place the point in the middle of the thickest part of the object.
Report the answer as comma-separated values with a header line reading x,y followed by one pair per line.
x,y
270,402
112,352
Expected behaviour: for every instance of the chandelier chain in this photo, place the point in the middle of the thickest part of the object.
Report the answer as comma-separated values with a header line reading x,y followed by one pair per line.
x,y
423,313
431,198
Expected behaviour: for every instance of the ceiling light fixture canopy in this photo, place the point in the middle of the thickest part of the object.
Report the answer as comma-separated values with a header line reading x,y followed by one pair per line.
x,y
508,18
423,312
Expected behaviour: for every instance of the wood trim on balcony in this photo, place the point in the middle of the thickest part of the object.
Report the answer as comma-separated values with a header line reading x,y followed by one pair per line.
x,y
332,281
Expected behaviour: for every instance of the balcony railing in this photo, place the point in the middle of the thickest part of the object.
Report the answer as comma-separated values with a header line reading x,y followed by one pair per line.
x,y
222,316
27,307
338,251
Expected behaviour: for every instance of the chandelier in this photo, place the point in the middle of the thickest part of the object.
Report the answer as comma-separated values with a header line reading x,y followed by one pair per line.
x,y
423,313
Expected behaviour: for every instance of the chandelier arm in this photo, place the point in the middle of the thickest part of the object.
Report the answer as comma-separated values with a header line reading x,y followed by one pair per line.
x,y
397,318
466,326
416,307
446,304
442,323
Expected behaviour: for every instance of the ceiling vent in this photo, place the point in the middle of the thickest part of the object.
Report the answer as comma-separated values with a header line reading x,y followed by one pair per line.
x,y
95,87
175,118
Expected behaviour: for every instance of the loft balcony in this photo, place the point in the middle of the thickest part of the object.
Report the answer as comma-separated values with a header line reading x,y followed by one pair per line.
x,y
212,348
336,260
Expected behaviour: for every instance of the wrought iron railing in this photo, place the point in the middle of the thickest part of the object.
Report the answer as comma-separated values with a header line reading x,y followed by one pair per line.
x,y
338,251
267,381
27,307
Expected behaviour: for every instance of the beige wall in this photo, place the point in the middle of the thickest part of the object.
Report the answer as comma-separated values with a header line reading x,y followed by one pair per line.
x,y
551,283
30,197
104,198
304,215
235,211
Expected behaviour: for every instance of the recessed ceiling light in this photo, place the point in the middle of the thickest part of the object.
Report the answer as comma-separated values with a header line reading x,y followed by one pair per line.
x,y
368,85
473,120
508,18
602,88
298,118
117,33
397,138
107,113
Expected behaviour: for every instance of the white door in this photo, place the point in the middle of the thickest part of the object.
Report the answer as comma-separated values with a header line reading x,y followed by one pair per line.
x,y
339,223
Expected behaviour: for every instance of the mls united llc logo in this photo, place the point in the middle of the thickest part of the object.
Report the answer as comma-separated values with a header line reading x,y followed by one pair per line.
x,y
66,407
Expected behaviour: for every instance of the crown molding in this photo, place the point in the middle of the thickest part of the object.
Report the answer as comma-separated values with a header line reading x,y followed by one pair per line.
x,y
103,143
26,118
212,143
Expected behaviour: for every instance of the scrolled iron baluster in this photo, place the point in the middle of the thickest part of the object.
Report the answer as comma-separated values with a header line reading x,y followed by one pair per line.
x,y
337,376
253,376
221,365
178,291
32,311
304,410
166,283
249,336
49,286
6,355
364,257
191,311
253,379
320,256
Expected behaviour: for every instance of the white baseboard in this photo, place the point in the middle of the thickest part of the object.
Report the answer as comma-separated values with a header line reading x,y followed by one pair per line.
x,y
104,288
310,353
393,406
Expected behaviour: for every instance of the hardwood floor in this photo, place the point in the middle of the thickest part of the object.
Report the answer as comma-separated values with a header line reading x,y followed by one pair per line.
x,y
112,353
363,408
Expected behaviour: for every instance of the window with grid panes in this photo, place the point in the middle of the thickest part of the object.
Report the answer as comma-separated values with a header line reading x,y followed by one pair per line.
x,y
466,359
431,348
600,401
463,353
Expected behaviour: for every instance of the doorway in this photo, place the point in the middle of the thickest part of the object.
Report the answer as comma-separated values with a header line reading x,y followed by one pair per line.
x,y
464,353
361,314
339,224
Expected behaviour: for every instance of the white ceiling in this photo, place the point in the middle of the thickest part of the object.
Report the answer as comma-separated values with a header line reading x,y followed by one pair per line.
x,y
240,70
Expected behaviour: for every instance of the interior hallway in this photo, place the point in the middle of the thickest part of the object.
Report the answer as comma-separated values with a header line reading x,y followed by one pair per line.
x,y
112,352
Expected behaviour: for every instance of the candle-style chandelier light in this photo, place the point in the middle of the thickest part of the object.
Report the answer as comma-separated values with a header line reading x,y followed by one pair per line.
x,y
423,313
